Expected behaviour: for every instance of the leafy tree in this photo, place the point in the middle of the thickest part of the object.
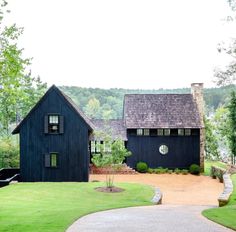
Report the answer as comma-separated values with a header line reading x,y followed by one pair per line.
x,y
18,89
111,159
92,109
232,122
211,145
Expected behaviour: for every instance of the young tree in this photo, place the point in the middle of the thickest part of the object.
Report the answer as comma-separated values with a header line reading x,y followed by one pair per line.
x,y
232,130
211,145
111,158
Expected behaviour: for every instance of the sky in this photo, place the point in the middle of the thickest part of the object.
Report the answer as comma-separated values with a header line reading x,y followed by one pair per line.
x,y
123,44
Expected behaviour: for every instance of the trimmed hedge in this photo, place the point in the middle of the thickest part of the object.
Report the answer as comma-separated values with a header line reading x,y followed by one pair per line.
x,y
142,167
194,169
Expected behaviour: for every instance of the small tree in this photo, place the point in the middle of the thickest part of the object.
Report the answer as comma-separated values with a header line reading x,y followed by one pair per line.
x,y
211,145
232,128
112,159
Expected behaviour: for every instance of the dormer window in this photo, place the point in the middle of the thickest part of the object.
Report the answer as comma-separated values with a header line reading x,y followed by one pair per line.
x,y
53,124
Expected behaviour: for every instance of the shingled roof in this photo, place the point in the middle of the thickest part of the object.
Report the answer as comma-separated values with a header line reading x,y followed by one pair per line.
x,y
161,111
114,128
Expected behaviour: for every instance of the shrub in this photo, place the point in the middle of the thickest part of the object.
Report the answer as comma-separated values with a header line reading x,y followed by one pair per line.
x,y
142,167
184,171
150,170
177,171
194,169
170,171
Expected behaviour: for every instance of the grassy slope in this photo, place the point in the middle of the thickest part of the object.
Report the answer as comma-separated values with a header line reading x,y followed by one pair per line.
x,y
225,215
54,206
208,165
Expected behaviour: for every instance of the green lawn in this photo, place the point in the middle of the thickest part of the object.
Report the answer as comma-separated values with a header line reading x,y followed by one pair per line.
x,y
208,164
225,215
54,206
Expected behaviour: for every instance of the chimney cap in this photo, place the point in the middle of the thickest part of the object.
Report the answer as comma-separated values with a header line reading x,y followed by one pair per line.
x,y
197,85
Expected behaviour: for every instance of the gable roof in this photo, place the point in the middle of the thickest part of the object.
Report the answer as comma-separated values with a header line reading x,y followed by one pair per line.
x,y
66,98
161,111
114,128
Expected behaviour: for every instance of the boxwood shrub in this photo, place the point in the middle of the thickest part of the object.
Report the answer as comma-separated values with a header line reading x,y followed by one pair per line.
x,y
142,167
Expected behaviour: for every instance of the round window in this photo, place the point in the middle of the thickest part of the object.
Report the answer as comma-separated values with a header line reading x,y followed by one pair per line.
x,y
163,149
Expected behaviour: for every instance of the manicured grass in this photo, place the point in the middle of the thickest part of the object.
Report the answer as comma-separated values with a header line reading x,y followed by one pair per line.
x,y
208,164
225,215
54,206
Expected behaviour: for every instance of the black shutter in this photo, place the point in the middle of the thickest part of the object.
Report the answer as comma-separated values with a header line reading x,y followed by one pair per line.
x,y
46,124
47,160
61,125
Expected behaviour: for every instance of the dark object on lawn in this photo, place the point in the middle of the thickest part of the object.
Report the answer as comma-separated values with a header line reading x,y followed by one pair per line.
x,y
194,169
109,190
9,174
142,167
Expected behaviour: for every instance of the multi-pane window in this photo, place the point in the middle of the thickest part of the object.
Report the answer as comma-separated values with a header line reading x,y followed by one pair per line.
x,y
160,132
92,144
181,132
166,132
98,145
187,132
146,132
54,160
53,123
139,131
51,160
107,147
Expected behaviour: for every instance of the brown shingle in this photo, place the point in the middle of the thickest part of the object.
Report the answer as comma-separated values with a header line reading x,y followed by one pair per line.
x,y
114,128
160,111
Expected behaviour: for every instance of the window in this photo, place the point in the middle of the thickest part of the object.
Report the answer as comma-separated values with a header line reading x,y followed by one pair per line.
x,y
163,149
92,146
187,132
160,132
98,145
51,160
139,132
53,124
146,132
166,132
107,147
181,132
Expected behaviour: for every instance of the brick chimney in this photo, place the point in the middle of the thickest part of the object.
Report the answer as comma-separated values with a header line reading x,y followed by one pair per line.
x,y
197,92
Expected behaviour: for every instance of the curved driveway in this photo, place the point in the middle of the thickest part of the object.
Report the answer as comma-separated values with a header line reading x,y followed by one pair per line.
x,y
184,198
164,218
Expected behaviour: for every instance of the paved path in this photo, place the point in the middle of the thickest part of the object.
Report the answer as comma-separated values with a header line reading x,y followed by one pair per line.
x,y
164,218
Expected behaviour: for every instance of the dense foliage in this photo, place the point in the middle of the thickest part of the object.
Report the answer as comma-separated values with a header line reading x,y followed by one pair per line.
x,y
194,169
232,126
108,103
19,91
142,167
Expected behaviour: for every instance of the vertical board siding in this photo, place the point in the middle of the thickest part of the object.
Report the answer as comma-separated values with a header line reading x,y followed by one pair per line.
x,y
71,145
183,151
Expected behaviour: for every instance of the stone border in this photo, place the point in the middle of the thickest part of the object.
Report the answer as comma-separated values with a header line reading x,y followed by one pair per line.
x,y
157,199
228,189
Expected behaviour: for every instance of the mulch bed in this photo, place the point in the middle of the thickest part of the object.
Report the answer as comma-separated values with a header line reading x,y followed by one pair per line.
x,y
109,190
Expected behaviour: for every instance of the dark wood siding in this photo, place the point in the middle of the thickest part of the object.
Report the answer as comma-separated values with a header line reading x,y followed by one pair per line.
x,y
71,145
183,150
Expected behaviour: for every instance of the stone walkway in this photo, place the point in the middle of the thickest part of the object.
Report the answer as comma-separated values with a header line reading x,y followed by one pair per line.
x,y
164,218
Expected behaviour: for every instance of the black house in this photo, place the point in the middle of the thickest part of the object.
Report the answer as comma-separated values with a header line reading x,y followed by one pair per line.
x,y
54,140
57,139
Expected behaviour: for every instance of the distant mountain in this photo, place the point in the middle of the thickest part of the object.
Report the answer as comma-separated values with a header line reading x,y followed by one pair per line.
x,y
108,103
